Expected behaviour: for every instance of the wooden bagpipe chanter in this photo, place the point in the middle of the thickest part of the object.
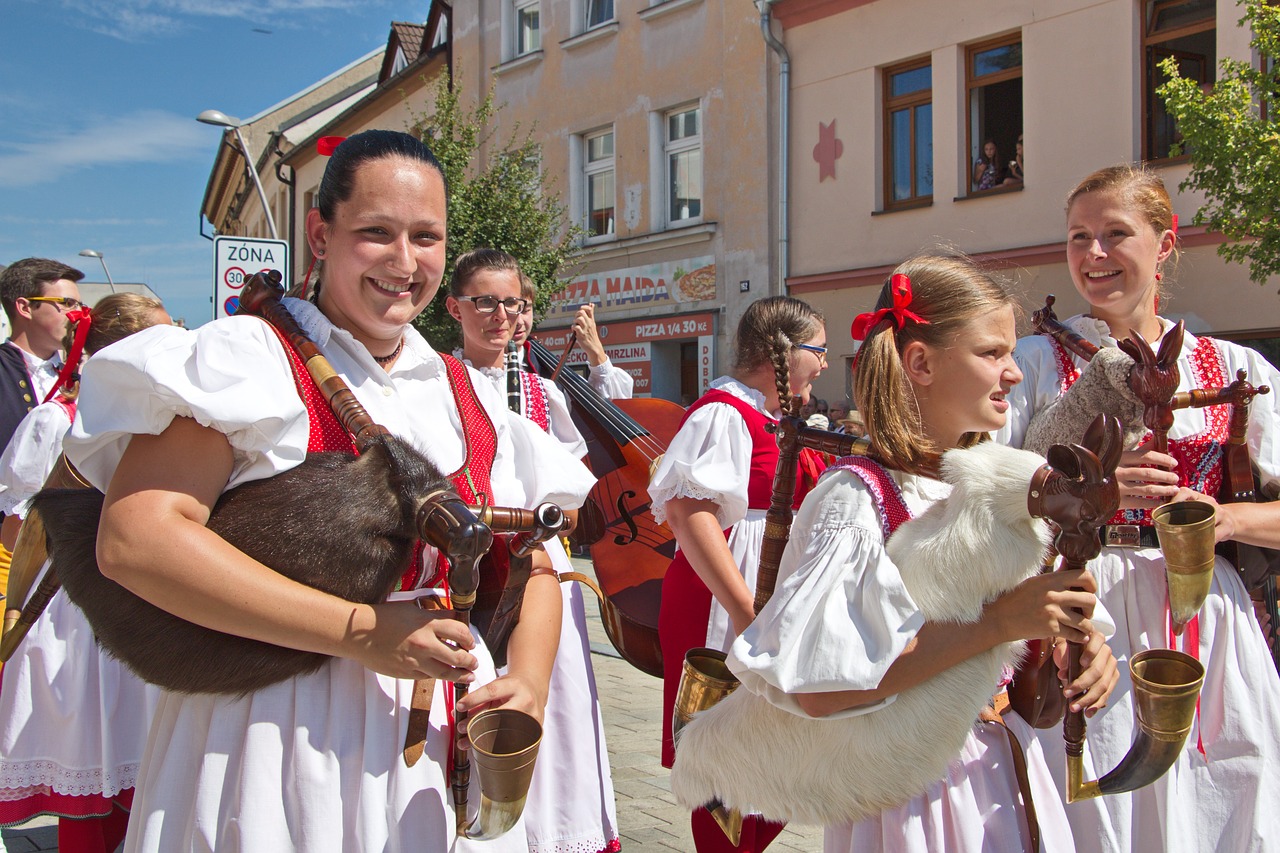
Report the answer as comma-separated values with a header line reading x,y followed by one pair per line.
x,y
347,524
849,768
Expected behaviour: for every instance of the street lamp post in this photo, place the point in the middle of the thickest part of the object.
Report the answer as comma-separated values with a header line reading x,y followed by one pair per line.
x,y
220,119
90,253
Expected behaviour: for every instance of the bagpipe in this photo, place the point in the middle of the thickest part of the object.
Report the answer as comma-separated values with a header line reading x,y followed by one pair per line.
x,y
1151,381
346,524
735,751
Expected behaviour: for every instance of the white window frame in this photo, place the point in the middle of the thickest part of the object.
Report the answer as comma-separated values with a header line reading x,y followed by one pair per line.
x,y
518,7
510,28
589,5
580,14
585,170
672,147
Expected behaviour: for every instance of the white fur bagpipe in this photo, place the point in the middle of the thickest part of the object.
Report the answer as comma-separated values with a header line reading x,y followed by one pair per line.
x,y
963,552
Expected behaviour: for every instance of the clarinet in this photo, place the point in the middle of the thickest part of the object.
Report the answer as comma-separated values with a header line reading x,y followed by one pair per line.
x,y
513,378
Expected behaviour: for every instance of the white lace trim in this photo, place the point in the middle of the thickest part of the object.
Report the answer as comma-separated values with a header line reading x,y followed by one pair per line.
x,y
580,844
27,778
683,489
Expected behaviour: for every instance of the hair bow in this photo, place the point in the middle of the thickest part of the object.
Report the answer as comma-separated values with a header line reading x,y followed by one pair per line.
x,y
1174,226
900,289
326,145
82,319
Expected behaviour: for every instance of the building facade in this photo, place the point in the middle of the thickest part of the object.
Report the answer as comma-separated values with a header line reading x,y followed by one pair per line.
x,y
893,102
654,124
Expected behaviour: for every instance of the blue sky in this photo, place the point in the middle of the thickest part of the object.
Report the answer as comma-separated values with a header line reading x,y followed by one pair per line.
x,y
99,146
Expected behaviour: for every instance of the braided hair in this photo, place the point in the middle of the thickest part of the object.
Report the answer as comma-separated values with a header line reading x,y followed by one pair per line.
x,y
768,331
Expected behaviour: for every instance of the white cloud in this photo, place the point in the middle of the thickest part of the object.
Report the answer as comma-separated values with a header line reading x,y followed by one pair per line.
x,y
146,136
138,20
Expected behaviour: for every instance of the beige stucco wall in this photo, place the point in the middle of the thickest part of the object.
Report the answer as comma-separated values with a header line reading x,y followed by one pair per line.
x,y
1082,109
710,52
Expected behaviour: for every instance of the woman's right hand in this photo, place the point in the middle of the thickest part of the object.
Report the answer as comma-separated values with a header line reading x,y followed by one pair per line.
x,y
1053,604
399,639
1146,478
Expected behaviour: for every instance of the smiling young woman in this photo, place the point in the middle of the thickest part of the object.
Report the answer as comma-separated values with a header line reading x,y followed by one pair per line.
x,y
1221,793
171,419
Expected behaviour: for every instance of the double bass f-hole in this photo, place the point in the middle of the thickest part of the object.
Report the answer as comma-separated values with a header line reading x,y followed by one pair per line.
x,y
624,515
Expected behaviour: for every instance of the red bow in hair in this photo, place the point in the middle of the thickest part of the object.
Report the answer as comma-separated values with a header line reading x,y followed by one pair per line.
x,y
1174,226
900,288
81,318
325,145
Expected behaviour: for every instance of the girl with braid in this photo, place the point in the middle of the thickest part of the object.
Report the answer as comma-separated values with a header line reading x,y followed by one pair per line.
x,y
713,487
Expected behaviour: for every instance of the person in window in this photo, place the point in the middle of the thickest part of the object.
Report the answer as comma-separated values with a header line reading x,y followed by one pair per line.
x,y
1015,176
989,170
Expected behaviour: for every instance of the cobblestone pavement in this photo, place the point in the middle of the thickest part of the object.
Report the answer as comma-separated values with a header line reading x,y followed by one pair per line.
x,y
648,816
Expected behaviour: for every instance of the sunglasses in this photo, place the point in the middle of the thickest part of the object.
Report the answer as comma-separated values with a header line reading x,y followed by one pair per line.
x,y
489,304
65,301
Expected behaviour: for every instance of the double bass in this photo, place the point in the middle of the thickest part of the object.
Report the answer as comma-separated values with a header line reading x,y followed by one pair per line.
x,y
630,550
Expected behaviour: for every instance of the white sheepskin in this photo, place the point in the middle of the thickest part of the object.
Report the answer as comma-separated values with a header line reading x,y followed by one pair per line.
x,y
960,554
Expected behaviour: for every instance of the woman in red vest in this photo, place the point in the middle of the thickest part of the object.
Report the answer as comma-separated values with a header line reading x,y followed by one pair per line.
x,y
713,487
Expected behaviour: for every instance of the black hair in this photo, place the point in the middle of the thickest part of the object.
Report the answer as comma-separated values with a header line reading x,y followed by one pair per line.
x,y
354,151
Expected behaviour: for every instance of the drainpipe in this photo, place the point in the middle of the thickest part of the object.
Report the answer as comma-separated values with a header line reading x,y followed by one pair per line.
x,y
784,89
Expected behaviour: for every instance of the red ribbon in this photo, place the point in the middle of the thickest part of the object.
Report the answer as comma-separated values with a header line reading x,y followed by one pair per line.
x,y
82,319
325,145
1174,226
900,288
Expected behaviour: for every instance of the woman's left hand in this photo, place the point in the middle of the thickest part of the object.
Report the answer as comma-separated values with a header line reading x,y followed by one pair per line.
x,y
1098,676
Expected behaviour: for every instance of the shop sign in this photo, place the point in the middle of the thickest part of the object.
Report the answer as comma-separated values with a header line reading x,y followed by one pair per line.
x,y
650,286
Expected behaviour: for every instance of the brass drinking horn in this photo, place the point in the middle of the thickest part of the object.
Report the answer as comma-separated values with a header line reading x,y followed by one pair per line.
x,y
1186,537
704,681
504,747
1166,685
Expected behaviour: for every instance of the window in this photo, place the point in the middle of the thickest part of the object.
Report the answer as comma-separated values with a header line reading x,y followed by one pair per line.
x,y
908,127
683,148
598,172
993,75
528,33
598,12
1184,30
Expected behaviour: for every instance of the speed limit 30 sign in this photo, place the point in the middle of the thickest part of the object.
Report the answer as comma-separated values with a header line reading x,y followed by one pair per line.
x,y
238,258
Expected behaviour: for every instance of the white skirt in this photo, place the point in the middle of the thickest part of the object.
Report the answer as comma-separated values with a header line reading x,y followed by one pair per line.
x,y
73,721
571,805
1225,798
973,810
311,764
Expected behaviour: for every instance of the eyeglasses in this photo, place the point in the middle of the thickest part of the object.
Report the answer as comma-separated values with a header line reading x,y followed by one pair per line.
x,y
66,302
820,351
489,304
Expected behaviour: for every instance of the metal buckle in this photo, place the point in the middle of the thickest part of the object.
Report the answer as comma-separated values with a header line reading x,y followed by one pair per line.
x,y
1122,536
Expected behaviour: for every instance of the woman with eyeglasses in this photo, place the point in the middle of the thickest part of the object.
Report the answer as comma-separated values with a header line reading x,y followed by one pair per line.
x,y
713,487
571,801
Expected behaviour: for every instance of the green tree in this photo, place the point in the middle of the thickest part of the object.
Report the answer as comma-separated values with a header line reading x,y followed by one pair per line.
x,y
1232,137
504,204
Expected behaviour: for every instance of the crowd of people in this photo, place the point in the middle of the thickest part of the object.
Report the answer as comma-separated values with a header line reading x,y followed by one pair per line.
x,y
361,752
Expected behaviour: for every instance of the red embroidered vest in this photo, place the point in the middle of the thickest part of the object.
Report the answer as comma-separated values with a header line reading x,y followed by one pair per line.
x,y
1200,455
764,452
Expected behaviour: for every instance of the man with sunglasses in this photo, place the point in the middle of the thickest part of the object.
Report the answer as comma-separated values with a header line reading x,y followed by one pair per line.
x,y
36,294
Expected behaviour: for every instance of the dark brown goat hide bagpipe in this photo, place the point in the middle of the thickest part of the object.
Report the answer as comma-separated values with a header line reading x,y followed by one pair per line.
x,y
340,523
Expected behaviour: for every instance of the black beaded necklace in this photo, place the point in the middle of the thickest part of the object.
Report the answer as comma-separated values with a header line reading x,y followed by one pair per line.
x,y
387,359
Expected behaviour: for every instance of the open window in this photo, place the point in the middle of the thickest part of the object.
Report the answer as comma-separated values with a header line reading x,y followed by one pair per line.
x,y
993,78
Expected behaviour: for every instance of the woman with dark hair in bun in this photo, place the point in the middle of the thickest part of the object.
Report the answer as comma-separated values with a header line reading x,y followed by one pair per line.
x,y
170,421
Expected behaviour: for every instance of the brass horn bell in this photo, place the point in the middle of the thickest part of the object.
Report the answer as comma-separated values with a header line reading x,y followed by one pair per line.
x,y
1166,685
704,681
1186,537
504,746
